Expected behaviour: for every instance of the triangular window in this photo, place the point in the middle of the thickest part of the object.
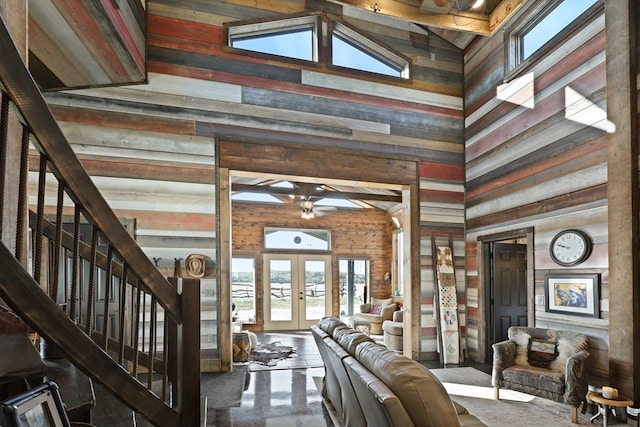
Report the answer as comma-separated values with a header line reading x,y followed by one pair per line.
x,y
351,49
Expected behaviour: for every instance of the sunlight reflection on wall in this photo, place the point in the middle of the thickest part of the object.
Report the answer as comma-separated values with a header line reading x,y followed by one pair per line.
x,y
577,108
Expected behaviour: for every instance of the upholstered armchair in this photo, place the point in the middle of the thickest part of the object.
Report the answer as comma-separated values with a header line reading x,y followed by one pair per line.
x,y
377,311
393,330
543,362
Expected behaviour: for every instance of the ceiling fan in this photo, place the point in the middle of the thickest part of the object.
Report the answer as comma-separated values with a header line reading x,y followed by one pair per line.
x,y
310,211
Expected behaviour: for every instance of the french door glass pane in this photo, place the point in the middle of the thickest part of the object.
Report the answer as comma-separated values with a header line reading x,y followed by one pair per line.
x,y
315,286
280,290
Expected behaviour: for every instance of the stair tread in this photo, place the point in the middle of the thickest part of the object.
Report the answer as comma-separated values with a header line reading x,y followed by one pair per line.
x,y
19,359
76,389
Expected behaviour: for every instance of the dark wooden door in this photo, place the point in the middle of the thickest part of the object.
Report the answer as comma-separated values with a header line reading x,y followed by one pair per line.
x,y
509,288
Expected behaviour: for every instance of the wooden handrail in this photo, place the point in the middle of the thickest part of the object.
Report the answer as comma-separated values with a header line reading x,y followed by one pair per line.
x,y
44,316
69,272
24,92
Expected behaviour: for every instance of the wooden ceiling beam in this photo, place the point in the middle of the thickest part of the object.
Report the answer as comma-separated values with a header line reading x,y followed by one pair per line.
x,y
470,22
477,23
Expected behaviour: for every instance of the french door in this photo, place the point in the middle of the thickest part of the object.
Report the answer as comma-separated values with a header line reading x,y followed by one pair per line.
x,y
297,290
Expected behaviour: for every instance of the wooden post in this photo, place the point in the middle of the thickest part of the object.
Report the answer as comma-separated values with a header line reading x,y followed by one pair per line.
x,y
188,399
622,195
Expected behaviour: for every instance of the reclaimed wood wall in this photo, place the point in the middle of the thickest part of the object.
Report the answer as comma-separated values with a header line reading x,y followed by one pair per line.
x,y
150,147
355,233
535,167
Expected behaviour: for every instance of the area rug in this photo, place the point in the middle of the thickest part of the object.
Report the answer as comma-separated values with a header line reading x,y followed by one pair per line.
x,y
270,354
472,389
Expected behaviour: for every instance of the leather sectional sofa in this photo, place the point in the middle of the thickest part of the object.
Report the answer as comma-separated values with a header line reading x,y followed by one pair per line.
x,y
366,384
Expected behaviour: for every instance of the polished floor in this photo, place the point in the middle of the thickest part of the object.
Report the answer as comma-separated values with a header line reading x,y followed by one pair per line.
x,y
282,395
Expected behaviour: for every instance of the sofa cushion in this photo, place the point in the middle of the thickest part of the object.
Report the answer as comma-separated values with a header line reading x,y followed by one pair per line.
x,y
349,339
329,324
538,378
380,405
422,394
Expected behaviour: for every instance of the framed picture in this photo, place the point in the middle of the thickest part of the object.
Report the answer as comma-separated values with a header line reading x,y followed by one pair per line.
x,y
575,294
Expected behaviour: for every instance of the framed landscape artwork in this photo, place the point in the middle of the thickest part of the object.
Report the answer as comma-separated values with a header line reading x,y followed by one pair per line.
x,y
575,294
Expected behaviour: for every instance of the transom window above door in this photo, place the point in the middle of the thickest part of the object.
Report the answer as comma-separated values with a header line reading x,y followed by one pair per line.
x,y
297,239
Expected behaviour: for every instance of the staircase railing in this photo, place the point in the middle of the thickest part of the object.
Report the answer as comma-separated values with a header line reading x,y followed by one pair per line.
x,y
91,291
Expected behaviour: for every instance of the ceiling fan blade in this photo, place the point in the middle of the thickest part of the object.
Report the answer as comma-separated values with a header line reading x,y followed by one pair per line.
x,y
324,209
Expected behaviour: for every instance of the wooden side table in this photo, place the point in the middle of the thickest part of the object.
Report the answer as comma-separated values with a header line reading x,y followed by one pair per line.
x,y
605,405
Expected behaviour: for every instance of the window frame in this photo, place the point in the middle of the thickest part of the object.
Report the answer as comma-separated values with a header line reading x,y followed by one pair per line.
x,y
255,289
323,33
269,26
374,48
514,64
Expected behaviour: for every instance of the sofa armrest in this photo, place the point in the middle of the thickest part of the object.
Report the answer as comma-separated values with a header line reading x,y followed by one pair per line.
x,y
576,380
504,355
365,308
398,316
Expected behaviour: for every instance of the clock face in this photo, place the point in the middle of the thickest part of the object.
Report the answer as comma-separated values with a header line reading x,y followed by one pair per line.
x,y
570,247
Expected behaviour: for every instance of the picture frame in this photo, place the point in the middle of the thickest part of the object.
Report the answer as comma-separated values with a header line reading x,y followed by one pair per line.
x,y
574,294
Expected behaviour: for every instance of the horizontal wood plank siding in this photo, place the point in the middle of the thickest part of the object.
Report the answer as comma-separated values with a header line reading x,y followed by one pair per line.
x,y
536,167
198,93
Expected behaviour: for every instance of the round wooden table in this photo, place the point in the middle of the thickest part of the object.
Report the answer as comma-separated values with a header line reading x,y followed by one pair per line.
x,y
605,405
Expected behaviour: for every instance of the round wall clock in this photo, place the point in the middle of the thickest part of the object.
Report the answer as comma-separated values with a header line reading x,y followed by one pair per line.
x,y
570,247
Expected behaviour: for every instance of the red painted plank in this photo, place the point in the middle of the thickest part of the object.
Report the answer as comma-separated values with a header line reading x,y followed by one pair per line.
x,y
442,171
189,30
428,332
120,26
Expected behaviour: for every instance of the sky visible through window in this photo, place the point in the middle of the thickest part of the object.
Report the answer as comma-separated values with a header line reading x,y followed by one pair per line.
x,y
346,54
296,43
565,13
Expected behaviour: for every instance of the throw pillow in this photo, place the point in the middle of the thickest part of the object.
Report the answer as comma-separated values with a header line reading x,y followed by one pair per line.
x,y
521,339
375,309
541,353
